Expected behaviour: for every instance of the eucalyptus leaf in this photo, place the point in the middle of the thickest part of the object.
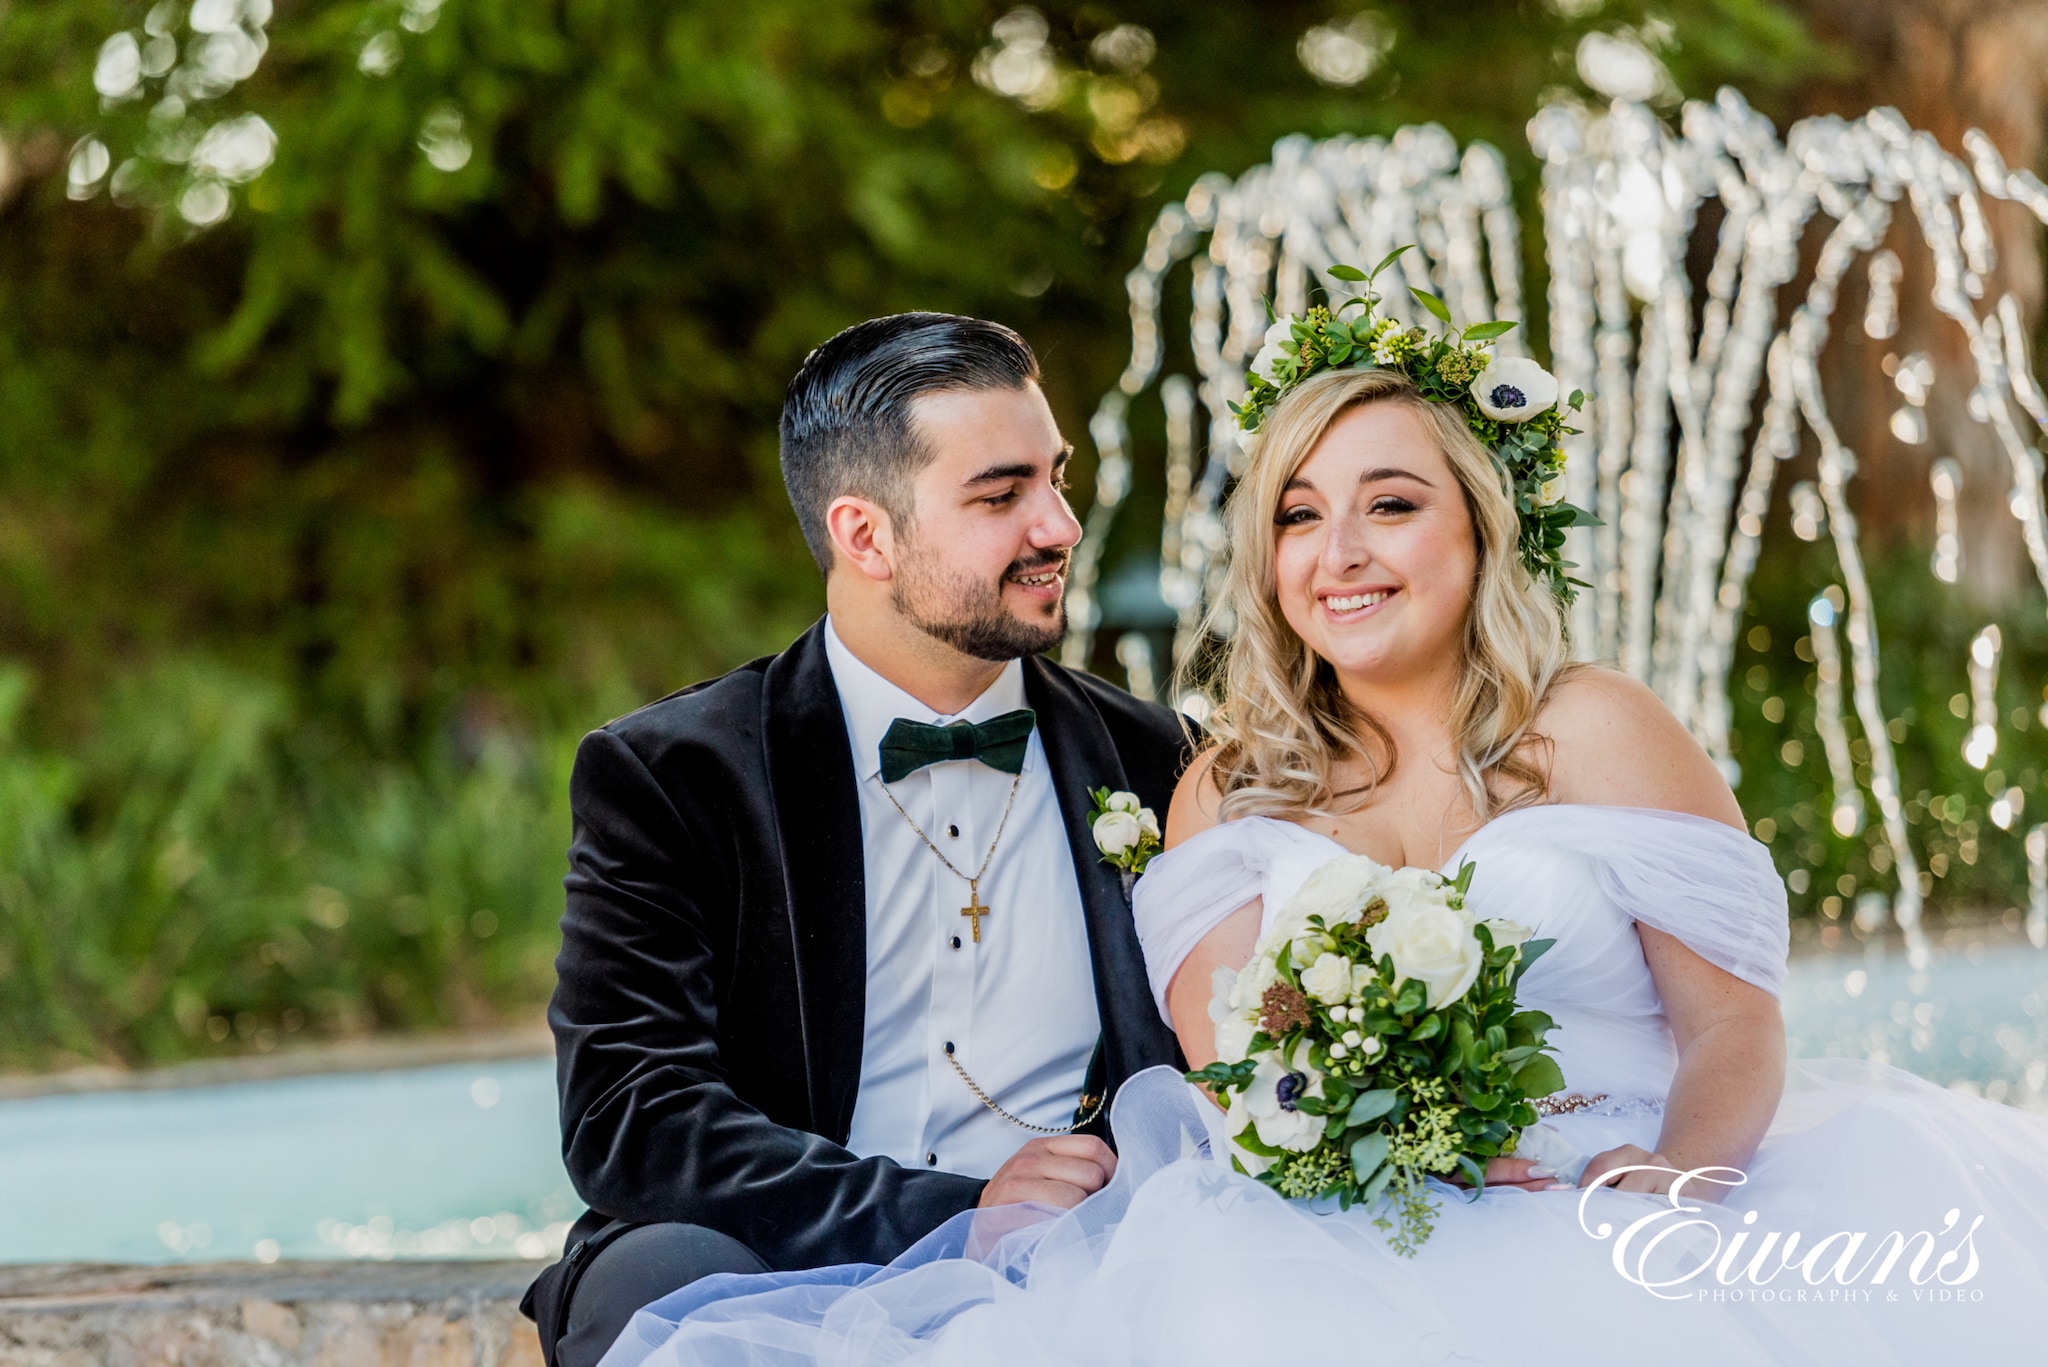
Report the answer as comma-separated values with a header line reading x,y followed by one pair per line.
x,y
1368,1152
1347,273
1370,1106
1486,332
1476,1173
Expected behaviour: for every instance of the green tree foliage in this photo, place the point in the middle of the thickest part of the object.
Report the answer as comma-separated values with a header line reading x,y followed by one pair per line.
x,y
326,526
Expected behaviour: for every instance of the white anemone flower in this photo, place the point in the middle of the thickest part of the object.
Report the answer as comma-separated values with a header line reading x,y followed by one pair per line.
x,y
1514,389
1270,1101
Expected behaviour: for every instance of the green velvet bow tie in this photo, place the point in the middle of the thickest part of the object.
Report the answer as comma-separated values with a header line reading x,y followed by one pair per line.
x,y
999,742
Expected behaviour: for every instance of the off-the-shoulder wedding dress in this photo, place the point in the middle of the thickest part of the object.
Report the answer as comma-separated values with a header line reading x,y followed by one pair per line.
x,y
1884,1220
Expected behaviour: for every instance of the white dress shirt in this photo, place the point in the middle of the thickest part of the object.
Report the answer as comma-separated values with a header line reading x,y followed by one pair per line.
x,y
1019,1007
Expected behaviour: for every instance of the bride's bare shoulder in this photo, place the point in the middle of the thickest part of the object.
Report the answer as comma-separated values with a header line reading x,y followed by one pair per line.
x,y
1613,743
1197,800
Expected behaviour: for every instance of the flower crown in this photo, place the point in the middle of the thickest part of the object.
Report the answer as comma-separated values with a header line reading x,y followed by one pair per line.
x,y
1509,403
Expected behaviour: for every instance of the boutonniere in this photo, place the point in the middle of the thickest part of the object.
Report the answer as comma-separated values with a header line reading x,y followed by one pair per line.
x,y
1125,830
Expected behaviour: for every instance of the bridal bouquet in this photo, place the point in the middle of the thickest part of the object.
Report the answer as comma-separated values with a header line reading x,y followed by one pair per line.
x,y
1374,1040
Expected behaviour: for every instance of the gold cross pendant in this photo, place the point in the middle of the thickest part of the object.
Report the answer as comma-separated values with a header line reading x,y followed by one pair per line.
x,y
974,910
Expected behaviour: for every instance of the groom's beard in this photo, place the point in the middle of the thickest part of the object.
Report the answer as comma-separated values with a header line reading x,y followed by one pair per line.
x,y
968,614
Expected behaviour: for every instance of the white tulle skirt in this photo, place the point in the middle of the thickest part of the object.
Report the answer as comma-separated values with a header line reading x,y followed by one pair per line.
x,y
1182,1262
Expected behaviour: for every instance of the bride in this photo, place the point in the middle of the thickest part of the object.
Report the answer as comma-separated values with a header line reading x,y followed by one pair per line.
x,y
1396,685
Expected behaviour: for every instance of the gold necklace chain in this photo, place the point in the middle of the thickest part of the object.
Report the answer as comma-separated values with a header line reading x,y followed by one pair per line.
x,y
973,879
1093,1104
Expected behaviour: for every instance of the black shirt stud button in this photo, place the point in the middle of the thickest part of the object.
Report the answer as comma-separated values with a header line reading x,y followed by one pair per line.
x,y
949,1048
931,1160
953,831
956,942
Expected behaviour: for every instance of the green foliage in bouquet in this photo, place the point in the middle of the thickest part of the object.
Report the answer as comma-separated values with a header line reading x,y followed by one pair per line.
x,y
1374,1040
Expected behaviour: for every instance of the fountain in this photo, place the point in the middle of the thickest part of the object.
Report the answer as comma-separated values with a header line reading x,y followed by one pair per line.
x,y
1697,397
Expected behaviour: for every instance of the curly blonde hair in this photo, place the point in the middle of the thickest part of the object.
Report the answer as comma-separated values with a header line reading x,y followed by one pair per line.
x,y
1284,723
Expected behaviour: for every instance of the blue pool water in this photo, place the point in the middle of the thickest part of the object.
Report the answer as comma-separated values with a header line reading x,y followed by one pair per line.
x,y
461,1160
451,1161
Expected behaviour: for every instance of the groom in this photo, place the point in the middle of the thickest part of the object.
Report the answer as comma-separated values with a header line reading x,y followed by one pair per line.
x,y
839,949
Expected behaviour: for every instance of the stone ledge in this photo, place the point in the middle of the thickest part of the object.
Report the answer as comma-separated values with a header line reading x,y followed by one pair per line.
x,y
395,1314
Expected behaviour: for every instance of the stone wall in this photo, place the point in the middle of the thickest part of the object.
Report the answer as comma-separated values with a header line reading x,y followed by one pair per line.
x,y
450,1314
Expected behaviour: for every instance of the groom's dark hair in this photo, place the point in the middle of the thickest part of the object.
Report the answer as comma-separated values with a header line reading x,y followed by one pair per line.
x,y
846,425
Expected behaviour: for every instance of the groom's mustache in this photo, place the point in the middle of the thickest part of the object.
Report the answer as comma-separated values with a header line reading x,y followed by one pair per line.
x,y
1051,560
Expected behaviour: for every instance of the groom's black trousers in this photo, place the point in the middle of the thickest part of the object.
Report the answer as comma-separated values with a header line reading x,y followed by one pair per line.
x,y
635,1265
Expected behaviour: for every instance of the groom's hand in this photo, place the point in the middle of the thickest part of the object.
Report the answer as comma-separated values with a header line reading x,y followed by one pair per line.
x,y
1060,1171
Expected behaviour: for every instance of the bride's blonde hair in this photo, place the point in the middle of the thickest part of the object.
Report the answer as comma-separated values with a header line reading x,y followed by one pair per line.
x,y
1284,723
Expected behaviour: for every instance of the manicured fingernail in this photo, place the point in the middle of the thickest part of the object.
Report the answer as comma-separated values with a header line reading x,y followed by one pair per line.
x,y
1559,1186
1537,1170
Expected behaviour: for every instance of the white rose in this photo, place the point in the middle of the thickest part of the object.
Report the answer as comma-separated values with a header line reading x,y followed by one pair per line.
x,y
1124,802
1514,389
1328,979
1433,943
1362,976
1234,1037
1269,350
1280,1125
1250,988
1116,832
1411,882
1506,932
1337,891
1551,491
1148,823
1221,983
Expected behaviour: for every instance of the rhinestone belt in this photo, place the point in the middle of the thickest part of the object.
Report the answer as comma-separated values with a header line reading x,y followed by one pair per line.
x,y
1564,1103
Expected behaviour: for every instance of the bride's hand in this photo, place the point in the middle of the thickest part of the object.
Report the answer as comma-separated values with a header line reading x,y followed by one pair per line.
x,y
1631,1156
1510,1172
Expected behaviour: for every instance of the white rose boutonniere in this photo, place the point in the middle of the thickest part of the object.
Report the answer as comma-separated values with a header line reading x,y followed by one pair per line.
x,y
1514,389
1125,830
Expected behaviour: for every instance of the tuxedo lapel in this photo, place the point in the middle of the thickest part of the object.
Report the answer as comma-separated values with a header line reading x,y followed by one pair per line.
x,y
1083,757
815,797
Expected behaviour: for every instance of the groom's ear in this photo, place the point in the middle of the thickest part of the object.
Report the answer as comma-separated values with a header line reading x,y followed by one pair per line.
x,y
863,537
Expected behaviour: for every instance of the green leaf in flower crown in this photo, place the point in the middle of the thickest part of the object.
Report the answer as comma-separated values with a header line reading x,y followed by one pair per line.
x,y
1346,273
1389,259
1370,1106
1432,303
1580,517
1368,1152
1540,1076
1486,332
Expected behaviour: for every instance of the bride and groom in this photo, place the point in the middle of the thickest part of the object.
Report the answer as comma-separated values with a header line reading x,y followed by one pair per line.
x,y
847,992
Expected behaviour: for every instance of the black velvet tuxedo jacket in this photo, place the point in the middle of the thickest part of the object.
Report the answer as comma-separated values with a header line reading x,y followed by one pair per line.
x,y
713,973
